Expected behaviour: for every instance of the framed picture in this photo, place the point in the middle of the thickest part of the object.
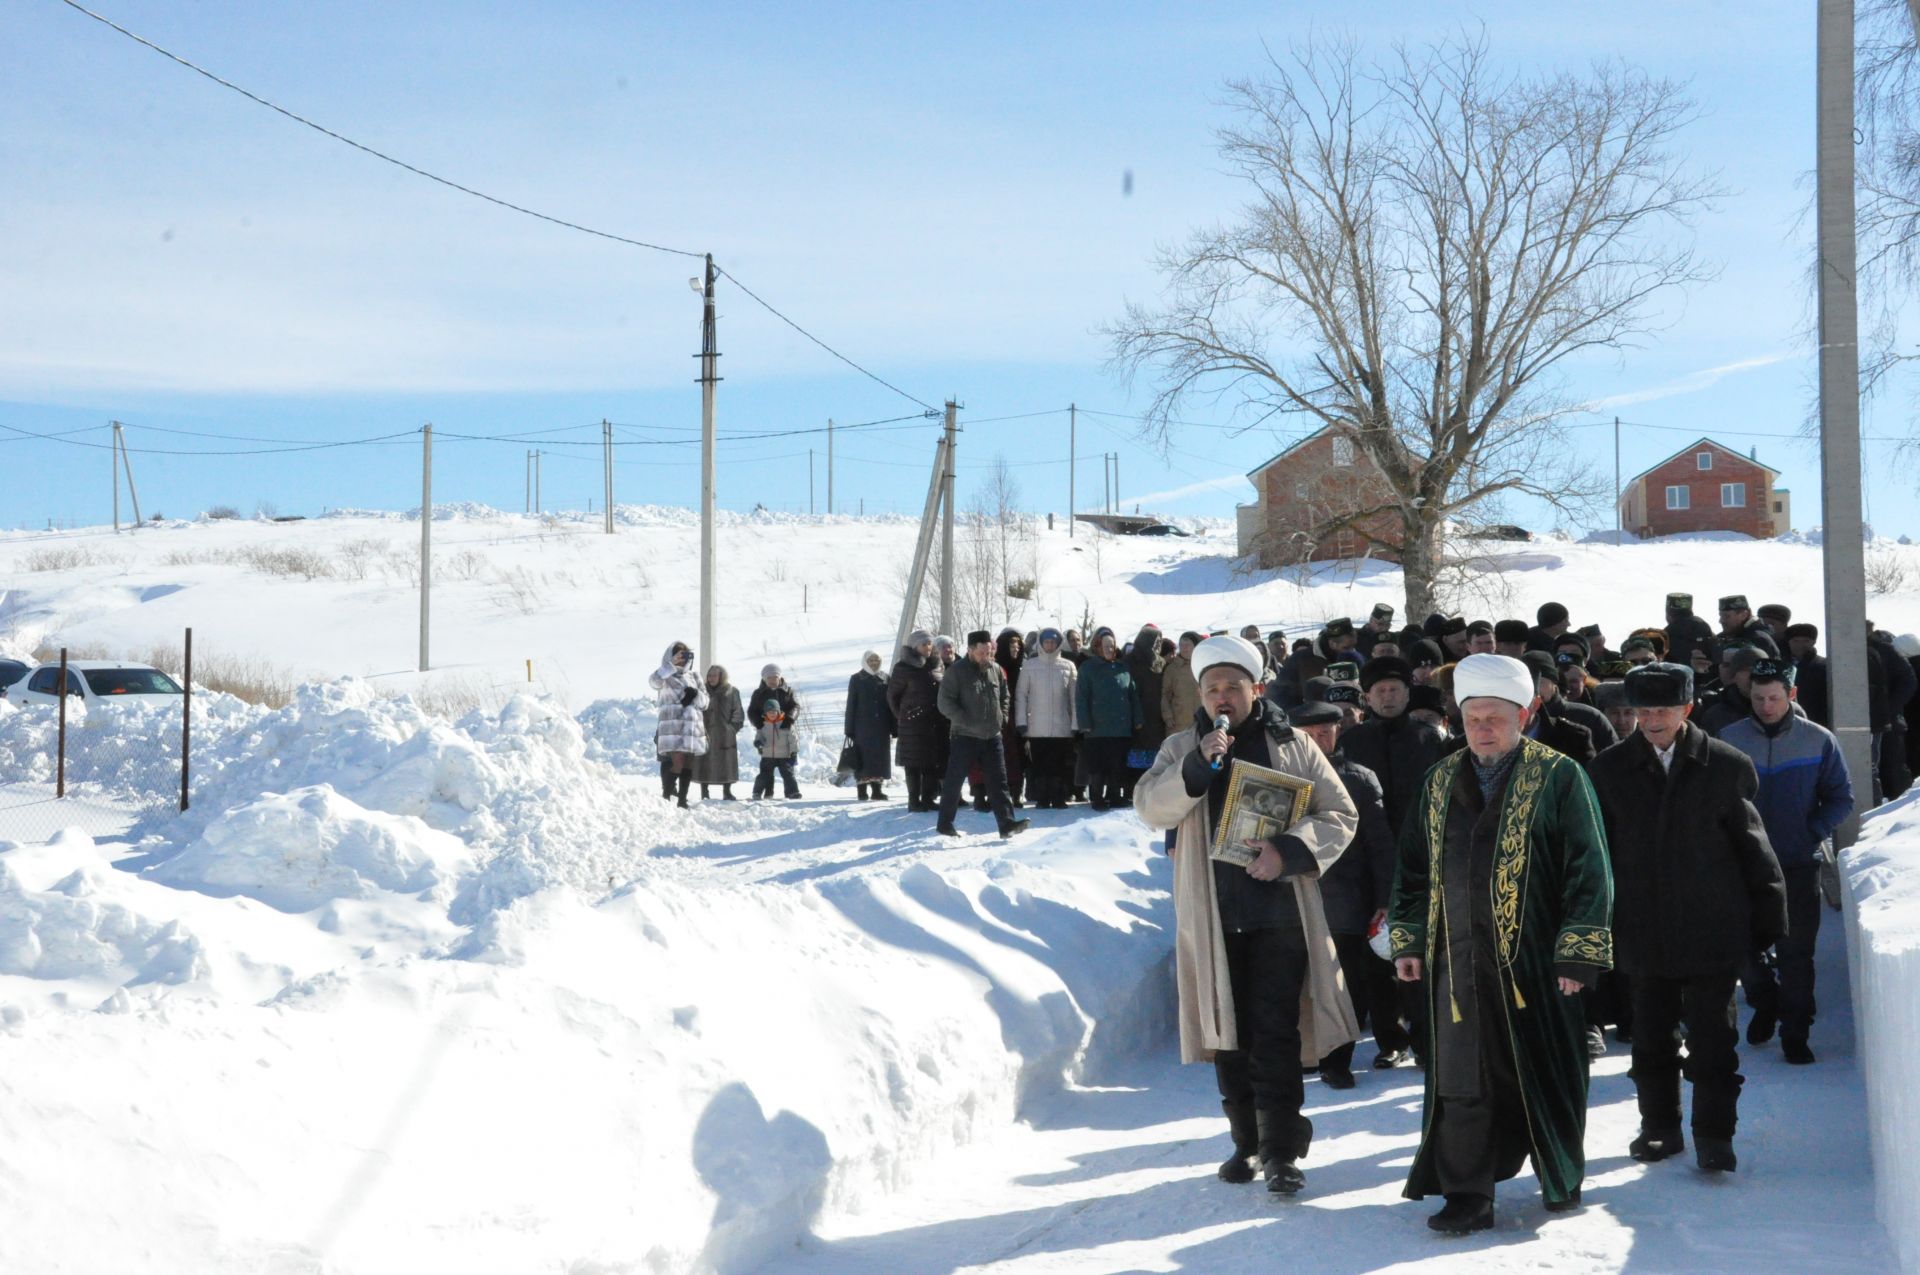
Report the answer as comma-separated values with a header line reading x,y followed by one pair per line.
x,y
1260,803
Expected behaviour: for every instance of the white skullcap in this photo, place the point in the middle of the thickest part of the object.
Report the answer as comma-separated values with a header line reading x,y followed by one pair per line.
x,y
1494,677
1236,651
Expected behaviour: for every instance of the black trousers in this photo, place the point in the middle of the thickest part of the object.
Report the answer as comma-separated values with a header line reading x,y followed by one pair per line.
x,y
965,753
1787,991
1052,768
1107,773
1480,1138
1705,1005
763,783
1267,970
1370,988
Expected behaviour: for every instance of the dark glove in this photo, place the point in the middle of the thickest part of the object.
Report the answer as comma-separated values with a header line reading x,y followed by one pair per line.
x,y
688,696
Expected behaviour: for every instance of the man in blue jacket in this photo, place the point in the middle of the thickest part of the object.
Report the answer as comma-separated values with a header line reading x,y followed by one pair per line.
x,y
1804,794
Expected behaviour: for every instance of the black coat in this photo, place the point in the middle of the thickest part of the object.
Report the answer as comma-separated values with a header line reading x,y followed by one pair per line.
x,y
1360,881
1563,735
757,703
1896,683
1595,721
870,725
1696,887
1399,751
1810,678
912,693
1144,662
1685,635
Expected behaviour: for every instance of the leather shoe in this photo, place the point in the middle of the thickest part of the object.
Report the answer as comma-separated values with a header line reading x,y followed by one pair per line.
x,y
1463,1215
1655,1145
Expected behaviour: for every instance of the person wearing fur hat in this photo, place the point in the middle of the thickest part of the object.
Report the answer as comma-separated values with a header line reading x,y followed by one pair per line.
x,y
1510,638
870,725
1377,629
1699,890
973,698
776,746
725,718
1043,713
1503,910
1685,631
1809,671
913,690
1255,964
1453,636
1552,621
681,695
1427,704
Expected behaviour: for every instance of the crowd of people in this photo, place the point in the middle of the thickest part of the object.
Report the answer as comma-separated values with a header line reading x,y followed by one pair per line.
x,y
1520,834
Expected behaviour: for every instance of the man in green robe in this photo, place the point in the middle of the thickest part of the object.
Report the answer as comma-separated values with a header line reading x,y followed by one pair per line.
x,y
1502,906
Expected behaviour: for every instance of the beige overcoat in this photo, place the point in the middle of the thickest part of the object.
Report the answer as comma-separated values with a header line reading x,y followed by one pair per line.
x,y
1200,955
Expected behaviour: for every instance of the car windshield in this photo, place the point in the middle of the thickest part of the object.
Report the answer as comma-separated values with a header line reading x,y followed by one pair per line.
x,y
131,681
11,671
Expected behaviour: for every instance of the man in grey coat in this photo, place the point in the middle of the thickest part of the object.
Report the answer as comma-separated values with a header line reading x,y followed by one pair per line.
x,y
973,697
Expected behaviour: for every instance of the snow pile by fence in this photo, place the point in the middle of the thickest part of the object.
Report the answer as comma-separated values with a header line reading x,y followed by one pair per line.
x,y
1883,912
125,749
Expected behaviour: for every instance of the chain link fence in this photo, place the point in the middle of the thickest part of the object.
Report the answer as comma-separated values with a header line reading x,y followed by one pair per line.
x,y
93,744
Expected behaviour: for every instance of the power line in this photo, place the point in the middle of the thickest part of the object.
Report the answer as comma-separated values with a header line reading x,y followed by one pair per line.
x,y
70,441
509,205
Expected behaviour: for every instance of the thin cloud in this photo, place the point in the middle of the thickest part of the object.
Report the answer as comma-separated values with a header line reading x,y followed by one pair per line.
x,y
1691,383
1225,482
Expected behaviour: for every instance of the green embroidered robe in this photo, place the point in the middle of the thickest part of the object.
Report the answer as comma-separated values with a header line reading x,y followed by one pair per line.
x,y
1552,907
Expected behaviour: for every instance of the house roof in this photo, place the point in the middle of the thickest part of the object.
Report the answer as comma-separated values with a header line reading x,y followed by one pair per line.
x,y
1695,446
1265,465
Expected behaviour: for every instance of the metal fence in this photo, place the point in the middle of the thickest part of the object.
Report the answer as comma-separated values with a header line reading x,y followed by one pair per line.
x,y
96,757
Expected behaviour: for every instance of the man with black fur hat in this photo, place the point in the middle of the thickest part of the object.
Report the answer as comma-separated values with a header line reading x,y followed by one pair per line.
x,y
1378,626
1553,621
1560,731
1355,891
1804,794
1255,966
1453,636
1809,671
1597,652
1778,617
1510,638
1428,704
1697,890
1686,632
1480,638
973,697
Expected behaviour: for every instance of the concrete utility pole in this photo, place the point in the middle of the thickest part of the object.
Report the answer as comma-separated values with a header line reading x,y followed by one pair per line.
x,y
113,471
1840,408
923,546
529,505
126,462
709,378
1616,478
809,482
946,526
1116,482
606,446
1073,461
536,480
426,538
829,464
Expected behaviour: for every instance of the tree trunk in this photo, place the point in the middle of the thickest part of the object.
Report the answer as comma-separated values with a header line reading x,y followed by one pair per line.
x,y
1420,564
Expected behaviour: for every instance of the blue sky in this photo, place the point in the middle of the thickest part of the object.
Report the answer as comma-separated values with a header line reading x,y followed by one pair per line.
x,y
936,193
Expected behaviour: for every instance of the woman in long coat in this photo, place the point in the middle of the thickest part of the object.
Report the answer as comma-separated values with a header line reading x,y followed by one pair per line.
x,y
682,737
870,726
912,693
725,719
1148,668
1010,653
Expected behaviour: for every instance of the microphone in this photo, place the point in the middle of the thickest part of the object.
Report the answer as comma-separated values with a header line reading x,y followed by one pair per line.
x,y
1220,723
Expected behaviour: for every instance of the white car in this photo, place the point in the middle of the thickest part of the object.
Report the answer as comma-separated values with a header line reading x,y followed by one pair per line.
x,y
94,681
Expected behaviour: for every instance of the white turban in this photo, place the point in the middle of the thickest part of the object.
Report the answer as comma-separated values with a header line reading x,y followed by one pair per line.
x,y
1235,651
1494,677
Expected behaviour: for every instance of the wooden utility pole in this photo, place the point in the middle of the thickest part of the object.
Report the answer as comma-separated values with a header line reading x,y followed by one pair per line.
x,y
709,378
186,716
426,538
946,525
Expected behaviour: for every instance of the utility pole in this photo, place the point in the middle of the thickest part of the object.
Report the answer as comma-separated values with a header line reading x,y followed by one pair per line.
x,y
536,481
923,546
426,538
809,482
1073,461
946,525
709,377
606,444
126,462
529,460
1840,407
113,471
829,465
1116,482
1616,479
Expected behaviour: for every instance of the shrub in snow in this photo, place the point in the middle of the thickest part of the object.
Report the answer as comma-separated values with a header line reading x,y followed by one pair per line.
x,y
297,851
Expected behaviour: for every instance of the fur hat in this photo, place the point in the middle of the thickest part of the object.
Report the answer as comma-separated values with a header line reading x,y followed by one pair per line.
x,y
1511,631
1318,714
1551,613
1385,668
1426,652
918,636
1430,698
1811,632
979,637
1775,611
1660,686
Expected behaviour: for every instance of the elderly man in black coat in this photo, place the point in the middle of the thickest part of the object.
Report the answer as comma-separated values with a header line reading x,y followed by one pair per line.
x,y
1697,890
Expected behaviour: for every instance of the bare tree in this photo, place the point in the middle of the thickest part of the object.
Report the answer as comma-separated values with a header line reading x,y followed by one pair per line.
x,y
1427,241
1887,174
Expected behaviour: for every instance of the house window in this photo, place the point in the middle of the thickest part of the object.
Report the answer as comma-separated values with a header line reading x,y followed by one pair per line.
x,y
1300,490
1733,495
1343,451
1776,507
1704,460
1677,498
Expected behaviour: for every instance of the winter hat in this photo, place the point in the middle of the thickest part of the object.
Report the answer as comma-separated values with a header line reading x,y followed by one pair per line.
x,y
1639,643
1550,614
1575,640
1769,669
1234,651
1741,659
1314,689
1511,631
1494,677
1735,602
1051,635
1811,632
771,670
1382,611
1383,669
1453,624
1590,631
1434,624
1660,686
1478,627
1540,663
1344,671
943,640
1339,626
1775,611
1342,693
1610,695
1320,714
1680,602
979,637
918,636
1425,654
1427,697
1278,635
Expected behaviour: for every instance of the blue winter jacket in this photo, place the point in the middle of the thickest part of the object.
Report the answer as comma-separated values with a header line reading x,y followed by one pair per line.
x,y
1804,788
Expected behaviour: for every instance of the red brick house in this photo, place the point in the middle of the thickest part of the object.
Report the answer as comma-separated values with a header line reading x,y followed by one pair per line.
x,y
1322,484
1706,487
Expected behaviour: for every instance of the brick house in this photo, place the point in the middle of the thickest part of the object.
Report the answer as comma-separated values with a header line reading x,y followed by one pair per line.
x,y
1706,487
1326,483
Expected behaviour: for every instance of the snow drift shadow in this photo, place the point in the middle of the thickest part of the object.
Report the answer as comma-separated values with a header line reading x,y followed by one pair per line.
x,y
770,1177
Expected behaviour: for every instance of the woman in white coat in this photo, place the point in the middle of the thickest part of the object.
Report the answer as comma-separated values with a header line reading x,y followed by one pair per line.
x,y
682,735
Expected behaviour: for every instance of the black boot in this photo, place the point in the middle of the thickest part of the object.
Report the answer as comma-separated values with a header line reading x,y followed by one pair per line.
x,y
726,793
666,783
1760,1029
863,793
1715,1155
1238,1167
1463,1215
877,794
703,792
1280,1139
981,803
1567,1205
946,829
681,785
1013,827
1336,1069
1794,1049
1654,1145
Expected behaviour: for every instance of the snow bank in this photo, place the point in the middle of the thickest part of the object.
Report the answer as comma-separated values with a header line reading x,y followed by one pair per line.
x,y
1882,873
67,931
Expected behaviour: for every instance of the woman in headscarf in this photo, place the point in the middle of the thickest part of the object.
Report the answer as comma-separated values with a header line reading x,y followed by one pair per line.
x,y
725,719
682,737
913,692
870,725
1147,667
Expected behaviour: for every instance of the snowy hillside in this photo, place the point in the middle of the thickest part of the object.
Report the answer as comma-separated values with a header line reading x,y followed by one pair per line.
x,y
430,978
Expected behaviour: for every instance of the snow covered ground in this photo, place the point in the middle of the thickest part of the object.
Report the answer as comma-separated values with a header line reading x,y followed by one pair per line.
x,y
415,989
